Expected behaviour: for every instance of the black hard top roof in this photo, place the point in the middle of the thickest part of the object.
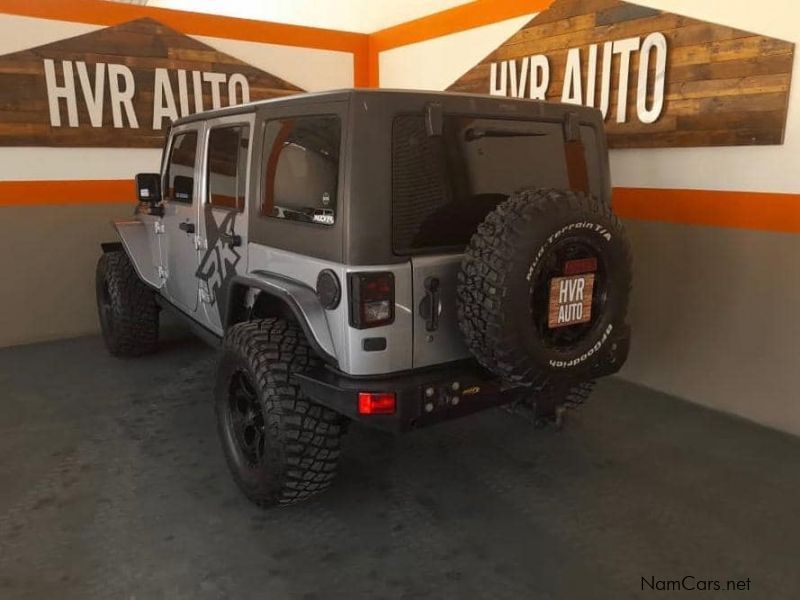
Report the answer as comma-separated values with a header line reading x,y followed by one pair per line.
x,y
353,93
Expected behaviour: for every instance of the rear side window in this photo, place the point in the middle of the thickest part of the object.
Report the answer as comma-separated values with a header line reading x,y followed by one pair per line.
x,y
227,166
180,168
444,186
301,173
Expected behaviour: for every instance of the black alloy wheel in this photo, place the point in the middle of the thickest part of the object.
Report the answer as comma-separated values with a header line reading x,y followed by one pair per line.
x,y
246,418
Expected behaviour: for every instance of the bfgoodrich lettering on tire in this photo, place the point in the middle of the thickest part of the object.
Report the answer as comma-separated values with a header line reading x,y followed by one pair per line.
x,y
281,447
505,279
126,307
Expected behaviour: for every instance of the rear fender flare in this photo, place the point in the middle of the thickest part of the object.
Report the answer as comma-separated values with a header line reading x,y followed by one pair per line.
x,y
300,299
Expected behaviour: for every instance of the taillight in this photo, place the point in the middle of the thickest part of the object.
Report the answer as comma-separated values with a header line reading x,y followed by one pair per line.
x,y
371,299
376,403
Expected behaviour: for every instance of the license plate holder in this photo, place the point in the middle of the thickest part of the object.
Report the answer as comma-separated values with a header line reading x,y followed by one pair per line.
x,y
570,300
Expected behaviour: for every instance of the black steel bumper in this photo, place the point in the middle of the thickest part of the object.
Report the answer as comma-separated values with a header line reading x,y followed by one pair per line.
x,y
422,397
427,396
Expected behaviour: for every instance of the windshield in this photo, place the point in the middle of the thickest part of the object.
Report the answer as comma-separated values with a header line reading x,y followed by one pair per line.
x,y
444,186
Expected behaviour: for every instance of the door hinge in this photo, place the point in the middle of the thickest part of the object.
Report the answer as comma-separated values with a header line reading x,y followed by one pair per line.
x,y
159,227
200,243
162,272
205,296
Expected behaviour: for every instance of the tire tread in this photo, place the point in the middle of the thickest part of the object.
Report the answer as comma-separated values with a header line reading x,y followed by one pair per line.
x,y
304,437
135,312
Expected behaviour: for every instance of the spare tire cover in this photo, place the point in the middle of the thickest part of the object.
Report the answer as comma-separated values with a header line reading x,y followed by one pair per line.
x,y
537,242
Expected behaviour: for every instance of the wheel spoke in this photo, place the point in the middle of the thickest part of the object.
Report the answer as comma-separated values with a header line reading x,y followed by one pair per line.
x,y
247,419
247,388
258,445
237,419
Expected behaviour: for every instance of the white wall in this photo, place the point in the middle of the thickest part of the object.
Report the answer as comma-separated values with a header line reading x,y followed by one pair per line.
x,y
363,16
308,68
437,63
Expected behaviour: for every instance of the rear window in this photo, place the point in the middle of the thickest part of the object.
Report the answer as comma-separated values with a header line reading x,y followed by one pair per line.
x,y
227,166
444,186
302,169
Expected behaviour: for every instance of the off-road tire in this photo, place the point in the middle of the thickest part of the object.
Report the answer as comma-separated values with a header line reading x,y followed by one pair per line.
x,y
299,454
495,286
126,307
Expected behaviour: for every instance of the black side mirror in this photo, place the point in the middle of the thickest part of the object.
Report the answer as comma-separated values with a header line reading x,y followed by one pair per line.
x,y
148,187
148,191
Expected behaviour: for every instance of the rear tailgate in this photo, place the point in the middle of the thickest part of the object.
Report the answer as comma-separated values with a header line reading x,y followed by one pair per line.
x,y
437,338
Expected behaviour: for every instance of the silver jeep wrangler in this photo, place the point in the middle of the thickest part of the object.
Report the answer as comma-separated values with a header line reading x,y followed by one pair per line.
x,y
393,258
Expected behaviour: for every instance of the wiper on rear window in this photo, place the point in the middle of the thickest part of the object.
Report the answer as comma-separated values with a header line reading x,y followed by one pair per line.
x,y
473,134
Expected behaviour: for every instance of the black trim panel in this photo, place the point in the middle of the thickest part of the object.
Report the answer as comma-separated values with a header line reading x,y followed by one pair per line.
x,y
208,336
111,247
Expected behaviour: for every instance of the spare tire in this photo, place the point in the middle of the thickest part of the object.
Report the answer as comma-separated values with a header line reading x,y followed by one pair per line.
x,y
504,285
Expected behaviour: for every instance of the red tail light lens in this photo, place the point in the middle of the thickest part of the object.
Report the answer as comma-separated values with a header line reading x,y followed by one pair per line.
x,y
376,403
371,299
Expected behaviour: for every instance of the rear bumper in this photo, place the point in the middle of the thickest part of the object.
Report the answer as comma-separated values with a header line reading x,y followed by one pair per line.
x,y
428,396
457,389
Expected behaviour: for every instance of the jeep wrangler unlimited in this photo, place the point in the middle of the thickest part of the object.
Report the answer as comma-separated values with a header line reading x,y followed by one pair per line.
x,y
392,258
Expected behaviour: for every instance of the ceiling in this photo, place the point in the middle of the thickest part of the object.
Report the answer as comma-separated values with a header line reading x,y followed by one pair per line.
x,y
363,16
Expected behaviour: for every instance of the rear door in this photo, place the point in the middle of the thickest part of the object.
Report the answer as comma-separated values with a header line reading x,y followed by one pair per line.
x,y
223,212
445,185
437,337
179,223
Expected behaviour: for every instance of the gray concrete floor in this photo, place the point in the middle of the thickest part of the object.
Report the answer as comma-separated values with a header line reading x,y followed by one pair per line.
x,y
112,485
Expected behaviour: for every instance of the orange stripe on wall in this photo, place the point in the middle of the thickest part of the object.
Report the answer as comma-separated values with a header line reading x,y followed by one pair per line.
x,y
739,210
453,20
97,191
101,12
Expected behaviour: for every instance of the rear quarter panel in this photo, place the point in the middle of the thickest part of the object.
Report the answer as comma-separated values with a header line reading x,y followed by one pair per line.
x,y
348,341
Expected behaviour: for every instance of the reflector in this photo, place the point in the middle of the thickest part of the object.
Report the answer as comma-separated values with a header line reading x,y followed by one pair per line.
x,y
376,403
579,266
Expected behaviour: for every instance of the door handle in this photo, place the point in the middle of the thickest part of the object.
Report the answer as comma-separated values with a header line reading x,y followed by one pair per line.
x,y
429,307
230,239
187,227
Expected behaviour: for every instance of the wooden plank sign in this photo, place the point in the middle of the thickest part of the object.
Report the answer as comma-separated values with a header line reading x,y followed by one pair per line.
x,y
120,87
660,79
570,300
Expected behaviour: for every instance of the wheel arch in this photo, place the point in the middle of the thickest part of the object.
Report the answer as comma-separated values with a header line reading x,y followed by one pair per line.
x,y
280,296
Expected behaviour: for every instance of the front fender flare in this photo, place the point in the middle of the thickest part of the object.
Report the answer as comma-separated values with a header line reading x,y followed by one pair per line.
x,y
301,299
137,244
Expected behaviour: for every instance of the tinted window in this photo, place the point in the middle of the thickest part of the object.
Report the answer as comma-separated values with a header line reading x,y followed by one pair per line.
x,y
444,186
227,166
302,169
180,169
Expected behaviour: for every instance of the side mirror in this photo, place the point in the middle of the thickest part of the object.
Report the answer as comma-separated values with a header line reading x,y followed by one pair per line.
x,y
148,191
148,187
